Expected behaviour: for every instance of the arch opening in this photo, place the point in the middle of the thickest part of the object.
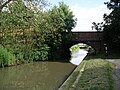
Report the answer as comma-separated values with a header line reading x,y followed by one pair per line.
x,y
84,46
79,52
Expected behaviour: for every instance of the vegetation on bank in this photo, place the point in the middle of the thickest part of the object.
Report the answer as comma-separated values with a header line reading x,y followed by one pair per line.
x,y
30,33
74,48
97,75
68,84
6,58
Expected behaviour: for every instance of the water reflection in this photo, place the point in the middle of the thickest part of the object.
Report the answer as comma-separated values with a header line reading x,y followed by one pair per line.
x,y
77,57
34,76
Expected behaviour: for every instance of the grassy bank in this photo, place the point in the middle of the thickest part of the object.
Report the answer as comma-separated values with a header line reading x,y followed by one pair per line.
x,y
69,82
97,75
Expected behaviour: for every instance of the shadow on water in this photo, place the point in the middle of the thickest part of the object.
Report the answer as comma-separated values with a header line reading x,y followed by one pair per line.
x,y
35,76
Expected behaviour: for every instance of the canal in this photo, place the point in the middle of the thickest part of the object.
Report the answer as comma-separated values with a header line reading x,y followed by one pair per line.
x,y
35,76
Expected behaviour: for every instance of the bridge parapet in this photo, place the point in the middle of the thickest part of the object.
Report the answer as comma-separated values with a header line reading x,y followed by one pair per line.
x,y
90,36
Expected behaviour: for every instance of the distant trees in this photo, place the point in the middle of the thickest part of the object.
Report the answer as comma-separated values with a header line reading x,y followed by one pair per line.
x,y
31,33
111,25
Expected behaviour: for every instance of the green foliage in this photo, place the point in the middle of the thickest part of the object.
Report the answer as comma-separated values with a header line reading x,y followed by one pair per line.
x,y
40,53
31,4
6,58
62,21
70,81
67,15
74,48
96,76
31,34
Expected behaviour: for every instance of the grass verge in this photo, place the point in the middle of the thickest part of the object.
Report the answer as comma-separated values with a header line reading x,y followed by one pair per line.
x,y
96,76
69,82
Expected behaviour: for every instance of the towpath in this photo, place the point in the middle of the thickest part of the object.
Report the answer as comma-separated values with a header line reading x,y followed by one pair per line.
x,y
116,73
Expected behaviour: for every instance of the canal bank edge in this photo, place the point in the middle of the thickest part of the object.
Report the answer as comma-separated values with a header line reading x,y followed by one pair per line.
x,y
79,69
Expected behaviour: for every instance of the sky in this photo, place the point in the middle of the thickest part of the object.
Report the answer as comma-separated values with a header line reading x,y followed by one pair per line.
x,y
86,12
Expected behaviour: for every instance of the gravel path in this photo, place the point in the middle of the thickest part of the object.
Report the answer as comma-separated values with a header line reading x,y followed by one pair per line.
x,y
116,74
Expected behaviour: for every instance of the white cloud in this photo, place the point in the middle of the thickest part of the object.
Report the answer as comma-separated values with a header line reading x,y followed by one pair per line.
x,y
85,16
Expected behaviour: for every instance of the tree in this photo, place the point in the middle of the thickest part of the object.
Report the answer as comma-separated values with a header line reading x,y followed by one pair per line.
x,y
70,21
111,25
35,5
63,21
113,4
68,17
3,3
32,34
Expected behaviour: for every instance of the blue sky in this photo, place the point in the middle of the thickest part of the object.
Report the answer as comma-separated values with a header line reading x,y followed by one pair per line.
x,y
86,11
82,3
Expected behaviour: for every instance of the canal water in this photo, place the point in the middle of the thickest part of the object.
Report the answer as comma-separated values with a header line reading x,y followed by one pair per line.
x,y
77,57
35,76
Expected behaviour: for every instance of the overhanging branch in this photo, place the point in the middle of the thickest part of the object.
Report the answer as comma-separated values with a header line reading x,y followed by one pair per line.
x,y
4,4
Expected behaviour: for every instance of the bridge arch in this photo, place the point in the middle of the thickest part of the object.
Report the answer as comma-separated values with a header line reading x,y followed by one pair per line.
x,y
89,44
94,39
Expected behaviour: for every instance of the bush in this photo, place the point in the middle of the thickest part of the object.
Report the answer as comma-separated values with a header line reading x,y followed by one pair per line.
x,y
41,53
23,53
6,58
74,48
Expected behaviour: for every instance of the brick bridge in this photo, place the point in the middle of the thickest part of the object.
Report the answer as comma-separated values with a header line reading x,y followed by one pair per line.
x,y
94,39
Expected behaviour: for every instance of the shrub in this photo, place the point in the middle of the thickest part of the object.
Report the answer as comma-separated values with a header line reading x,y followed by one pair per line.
x,y
74,48
41,53
6,58
22,53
